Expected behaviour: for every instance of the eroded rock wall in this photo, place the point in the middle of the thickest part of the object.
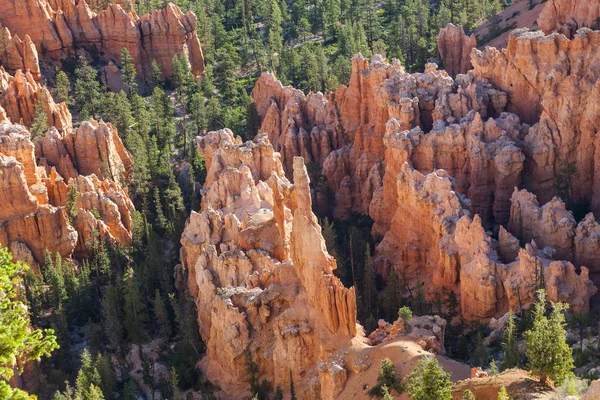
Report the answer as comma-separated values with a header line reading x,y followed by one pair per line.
x,y
59,26
261,275
455,49
567,16
34,194
19,95
433,239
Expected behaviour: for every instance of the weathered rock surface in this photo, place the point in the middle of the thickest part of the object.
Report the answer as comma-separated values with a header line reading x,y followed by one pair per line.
x,y
58,26
93,148
17,53
553,226
455,49
433,239
567,16
261,275
19,94
34,194
553,80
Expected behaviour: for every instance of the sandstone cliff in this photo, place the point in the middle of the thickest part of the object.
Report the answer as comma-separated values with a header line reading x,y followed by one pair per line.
x,y
59,26
455,49
567,16
433,239
17,53
430,122
19,94
34,194
261,274
552,79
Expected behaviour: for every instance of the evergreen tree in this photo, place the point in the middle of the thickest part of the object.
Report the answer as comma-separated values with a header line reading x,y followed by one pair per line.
x,y
128,74
135,317
198,112
480,352
292,389
493,368
71,205
512,356
278,393
548,354
503,394
19,340
468,395
370,289
62,89
386,379
118,111
87,89
108,379
161,314
39,125
391,297
429,381
419,304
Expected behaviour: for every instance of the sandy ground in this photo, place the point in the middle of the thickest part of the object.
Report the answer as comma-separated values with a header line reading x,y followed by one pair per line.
x,y
519,384
405,353
517,15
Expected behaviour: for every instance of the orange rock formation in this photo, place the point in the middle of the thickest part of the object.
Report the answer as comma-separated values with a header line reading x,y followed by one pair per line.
x,y
19,94
455,49
567,16
261,275
18,54
58,26
34,194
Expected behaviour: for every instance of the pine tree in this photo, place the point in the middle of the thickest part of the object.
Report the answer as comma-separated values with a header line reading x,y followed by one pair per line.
x,y
161,314
135,317
62,88
71,205
39,125
87,382
512,356
480,352
391,297
292,389
128,74
174,382
278,393
386,379
87,89
429,381
118,111
370,289
198,112
108,379
549,355
468,395
19,340
503,394
493,368
419,304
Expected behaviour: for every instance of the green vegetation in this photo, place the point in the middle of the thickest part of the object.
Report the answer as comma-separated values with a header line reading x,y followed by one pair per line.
x,y
429,381
386,380
549,355
19,342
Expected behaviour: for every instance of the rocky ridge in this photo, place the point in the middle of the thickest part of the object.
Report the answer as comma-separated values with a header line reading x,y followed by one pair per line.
x,y
477,128
261,274
35,180
17,53
60,26
455,48
19,95
263,282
